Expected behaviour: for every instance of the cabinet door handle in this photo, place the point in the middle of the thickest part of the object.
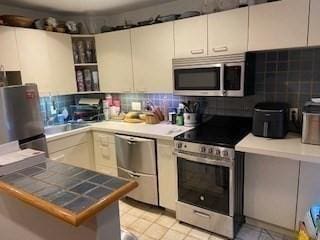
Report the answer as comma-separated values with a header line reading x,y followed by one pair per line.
x,y
198,51
220,49
59,158
133,175
204,215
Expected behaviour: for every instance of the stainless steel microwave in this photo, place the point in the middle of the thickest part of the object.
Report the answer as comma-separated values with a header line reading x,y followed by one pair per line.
x,y
211,76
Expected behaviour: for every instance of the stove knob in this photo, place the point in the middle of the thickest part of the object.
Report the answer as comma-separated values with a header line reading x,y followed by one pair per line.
x,y
218,152
203,149
210,150
179,145
225,153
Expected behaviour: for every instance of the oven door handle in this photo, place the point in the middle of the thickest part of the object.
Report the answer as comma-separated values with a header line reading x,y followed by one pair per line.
x,y
203,160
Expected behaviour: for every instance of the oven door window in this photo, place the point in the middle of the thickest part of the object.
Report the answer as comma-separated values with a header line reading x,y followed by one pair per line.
x,y
232,77
197,79
203,185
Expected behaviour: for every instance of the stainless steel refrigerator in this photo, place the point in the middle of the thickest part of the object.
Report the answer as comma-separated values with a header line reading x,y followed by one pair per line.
x,y
20,117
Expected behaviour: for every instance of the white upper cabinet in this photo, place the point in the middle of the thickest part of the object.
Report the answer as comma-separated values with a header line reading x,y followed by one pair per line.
x,y
191,37
228,32
46,59
152,51
8,49
63,79
114,57
34,58
314,31
282,24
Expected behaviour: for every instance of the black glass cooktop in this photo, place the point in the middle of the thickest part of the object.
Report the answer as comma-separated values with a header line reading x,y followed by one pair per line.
x,y
222,131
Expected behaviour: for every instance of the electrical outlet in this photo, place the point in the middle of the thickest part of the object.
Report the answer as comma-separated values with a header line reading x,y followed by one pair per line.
x,y
294,112
136,106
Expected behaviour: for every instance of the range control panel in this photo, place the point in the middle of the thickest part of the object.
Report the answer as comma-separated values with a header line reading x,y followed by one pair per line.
x,y
205,150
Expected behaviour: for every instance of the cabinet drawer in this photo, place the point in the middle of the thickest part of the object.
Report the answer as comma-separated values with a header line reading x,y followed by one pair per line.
x,y
205,219
67,142
103,138
105,155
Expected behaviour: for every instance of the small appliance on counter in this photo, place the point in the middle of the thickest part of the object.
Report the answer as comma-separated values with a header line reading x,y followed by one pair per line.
x,y
270,120
311,123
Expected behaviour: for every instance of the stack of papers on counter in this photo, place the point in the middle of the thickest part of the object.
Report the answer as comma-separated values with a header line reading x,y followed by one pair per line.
x,y
13,159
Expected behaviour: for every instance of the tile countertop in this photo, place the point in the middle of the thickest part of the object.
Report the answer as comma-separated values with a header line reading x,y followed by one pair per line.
x,y
69,193
290,147
162,130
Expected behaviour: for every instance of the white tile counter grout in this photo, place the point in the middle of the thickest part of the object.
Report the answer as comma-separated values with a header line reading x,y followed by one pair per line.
x,y
162,131
290,147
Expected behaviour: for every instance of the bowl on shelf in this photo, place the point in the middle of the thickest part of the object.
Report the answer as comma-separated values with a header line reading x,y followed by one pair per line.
x,y
17,21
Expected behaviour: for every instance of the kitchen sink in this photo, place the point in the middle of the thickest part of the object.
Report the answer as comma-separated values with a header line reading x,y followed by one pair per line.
x,y
50,130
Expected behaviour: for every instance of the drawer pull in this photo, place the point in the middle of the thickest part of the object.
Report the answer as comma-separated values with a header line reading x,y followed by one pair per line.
x,y
59,158
133,175
199,51
200,214
220,49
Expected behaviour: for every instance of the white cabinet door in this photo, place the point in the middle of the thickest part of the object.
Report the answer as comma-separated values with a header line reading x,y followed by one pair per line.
x,y
77,156
314,31
63,78
309,189
270,189
167,175
8,49
191,37
115,61
34,58
153,50
228,32
281,24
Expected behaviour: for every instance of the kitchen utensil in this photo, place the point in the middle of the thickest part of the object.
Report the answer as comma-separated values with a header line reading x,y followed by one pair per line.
x,y
146,22
189,14
73,27
132,115
17,21
151,118
39,24
106,29
50,21
133,120
190,119
167,18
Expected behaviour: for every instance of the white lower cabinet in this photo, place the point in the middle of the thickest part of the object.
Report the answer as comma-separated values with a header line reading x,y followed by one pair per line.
x,y
167,175
74,150
309,189
105,153
270,190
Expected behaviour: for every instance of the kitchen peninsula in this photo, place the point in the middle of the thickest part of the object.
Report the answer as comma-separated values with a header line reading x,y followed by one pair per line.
x,y
58,201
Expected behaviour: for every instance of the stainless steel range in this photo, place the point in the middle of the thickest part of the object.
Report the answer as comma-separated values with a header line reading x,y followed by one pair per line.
x,y
210,175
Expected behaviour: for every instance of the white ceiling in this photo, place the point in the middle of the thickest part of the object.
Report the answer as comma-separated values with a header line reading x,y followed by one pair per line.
x,y
75,7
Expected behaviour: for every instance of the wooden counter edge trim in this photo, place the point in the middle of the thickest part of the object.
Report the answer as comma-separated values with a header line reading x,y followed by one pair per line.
x,y
103,203
62,213
59,212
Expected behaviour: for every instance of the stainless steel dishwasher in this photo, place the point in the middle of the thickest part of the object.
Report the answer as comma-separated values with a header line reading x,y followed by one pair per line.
x,y
136,159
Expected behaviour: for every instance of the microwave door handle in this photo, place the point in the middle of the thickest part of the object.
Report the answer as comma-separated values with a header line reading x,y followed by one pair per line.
x,y
265,129
223,92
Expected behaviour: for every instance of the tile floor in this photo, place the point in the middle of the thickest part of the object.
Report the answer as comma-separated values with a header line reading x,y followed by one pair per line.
x,y
151,223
